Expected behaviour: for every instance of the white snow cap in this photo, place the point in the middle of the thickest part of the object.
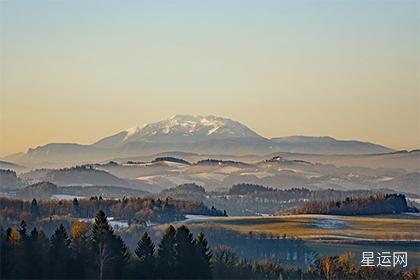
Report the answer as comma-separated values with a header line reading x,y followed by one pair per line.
x,y
191,125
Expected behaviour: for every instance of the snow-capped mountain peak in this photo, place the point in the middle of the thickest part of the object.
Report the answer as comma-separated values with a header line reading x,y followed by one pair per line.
x,y
193,126
181,128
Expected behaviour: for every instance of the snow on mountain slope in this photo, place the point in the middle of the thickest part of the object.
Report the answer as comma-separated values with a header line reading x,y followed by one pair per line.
x,y
189,134
180,128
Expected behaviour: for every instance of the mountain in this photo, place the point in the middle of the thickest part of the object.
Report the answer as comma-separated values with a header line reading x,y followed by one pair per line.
x,y
12,166
180,129
326,145
184,133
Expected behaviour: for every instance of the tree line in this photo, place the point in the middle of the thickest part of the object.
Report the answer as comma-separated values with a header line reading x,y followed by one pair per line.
x,y
130,208
101,254
365,205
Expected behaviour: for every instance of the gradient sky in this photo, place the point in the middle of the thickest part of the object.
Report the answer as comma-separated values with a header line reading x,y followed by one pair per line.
x,y
76,71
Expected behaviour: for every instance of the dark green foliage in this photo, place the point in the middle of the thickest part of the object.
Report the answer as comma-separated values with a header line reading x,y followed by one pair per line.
x,y
22,230
82,254
34,208
180,256
109,251
60,254
365,205
37,245
186,254
76,208
241,189
167,254
145,251
8,254
224,262
132,208
204,255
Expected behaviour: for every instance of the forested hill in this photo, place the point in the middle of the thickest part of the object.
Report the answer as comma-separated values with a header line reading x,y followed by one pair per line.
x,y
139,209
366,205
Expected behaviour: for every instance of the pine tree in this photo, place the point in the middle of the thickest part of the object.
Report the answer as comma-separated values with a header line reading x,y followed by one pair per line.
x,y
121,257
22,230
203,256
110,252
76,208
145,252
102,234
81,249
7,255
186,254
35,255
20,241
60,254
224,261
34,208
167,260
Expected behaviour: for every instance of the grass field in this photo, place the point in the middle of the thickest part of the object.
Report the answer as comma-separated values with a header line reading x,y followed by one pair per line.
x,y
315,227
332,235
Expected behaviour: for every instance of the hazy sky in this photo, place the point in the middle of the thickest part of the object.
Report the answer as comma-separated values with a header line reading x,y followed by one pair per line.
x,y
76,71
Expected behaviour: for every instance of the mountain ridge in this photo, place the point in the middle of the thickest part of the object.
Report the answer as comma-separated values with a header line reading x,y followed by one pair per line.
x,y
180,128
199,134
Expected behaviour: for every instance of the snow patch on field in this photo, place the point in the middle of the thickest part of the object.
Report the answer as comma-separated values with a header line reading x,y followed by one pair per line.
x,y
228,169
330,224
114,223
259,175
209,176
66,197
381,179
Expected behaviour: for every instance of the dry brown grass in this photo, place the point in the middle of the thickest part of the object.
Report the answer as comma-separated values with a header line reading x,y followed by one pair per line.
x,y
302,226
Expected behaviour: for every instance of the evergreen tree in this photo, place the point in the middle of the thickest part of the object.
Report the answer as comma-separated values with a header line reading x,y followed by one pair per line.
x,y
186,254
203,256
7,255
60,254
35,255
224,261
76,208
20,247
34,208
22,230
121,257
102,234
109,251
167,259
145,252
81,249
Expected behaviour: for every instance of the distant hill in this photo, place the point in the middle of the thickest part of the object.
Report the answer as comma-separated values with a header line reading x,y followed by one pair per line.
x,y
12,166
171,159
192,134
327,145
185,191
42,190
83,175
367,205
401,159
9,179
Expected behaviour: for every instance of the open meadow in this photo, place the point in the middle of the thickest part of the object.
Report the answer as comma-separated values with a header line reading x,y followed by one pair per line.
x,y
324,227
319,235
